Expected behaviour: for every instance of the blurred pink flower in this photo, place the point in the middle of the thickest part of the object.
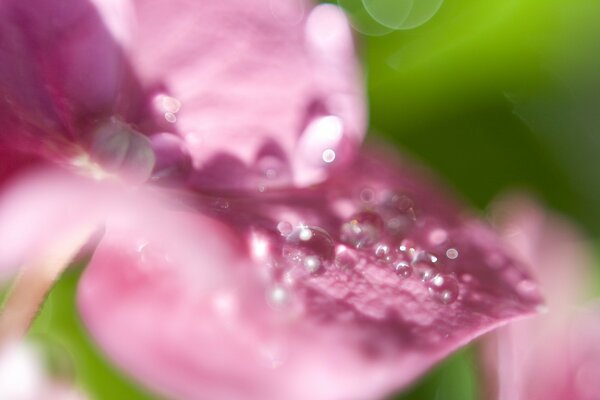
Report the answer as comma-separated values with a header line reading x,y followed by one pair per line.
x,y
264,259
555,355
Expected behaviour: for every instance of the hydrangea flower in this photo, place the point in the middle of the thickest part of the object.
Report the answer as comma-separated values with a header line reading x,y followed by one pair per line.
x,y
249,249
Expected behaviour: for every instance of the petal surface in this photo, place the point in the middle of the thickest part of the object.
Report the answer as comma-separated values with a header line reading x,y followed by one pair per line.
x,y
348,290
61,68
265,92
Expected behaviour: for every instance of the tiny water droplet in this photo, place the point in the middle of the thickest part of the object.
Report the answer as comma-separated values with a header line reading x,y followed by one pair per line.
x,y
363,229
452,253
284,228
167,106
345,260
403,269
408,247
383,253
312,264
277,297
443,288
367,195
328,156
437,236
528,289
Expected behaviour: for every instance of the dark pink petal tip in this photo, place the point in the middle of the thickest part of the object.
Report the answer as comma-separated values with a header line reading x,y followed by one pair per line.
x,y
347,290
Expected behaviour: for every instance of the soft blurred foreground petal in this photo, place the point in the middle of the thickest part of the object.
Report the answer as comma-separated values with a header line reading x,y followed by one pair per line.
x,y
23,376
554,355
348,290
275,78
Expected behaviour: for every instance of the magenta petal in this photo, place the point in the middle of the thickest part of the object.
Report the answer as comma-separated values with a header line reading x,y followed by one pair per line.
x,y
248,83
348,290
60,67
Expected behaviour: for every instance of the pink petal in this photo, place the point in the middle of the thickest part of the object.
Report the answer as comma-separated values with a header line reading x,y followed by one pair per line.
x,y
262,91
535,359
308,303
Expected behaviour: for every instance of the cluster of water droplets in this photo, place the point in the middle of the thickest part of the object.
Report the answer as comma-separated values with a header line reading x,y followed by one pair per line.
x,y
384,233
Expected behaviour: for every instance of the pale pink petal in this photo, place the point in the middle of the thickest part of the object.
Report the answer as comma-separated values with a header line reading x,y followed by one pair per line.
x,y
534,359
266,93
348,290
44,207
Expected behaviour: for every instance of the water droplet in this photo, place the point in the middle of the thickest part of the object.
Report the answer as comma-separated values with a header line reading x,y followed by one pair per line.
x,y
452,253
437,236
403,269
443,288
284,228
424,265
408,247
328,156
312,263
320,141
345,259
311,246
221,203
367,195
119,149
383,253
363,229
168,106
277,297
528,289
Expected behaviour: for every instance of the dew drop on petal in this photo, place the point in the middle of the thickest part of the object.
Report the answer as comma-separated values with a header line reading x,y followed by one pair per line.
x,y
345,259
312,263
443,288
119,149
403,269
284,228
277,297
452,253
424,266
383,253
310,246
362,230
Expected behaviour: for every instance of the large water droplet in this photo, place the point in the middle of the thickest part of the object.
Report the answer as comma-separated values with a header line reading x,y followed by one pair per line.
x,y
310,246
443,288
119,149
424,265
363,229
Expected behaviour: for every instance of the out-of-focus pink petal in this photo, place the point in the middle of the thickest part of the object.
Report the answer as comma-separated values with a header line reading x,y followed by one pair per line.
x,y
61,67
534,359
266,93
348,290
43,207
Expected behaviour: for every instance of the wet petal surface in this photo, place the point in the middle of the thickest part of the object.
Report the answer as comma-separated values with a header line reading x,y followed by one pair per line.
x,y
359,284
